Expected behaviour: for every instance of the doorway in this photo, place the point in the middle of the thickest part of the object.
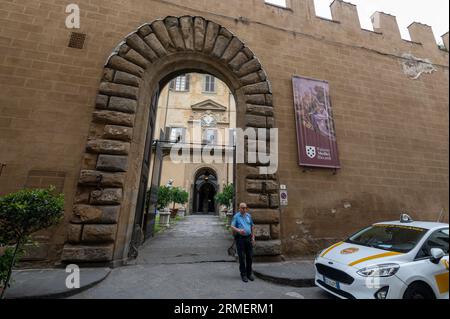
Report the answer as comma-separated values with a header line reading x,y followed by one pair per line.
x,y
205,192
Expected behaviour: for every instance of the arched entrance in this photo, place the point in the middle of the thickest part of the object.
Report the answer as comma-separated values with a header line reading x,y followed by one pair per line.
x,y
205,190
110,180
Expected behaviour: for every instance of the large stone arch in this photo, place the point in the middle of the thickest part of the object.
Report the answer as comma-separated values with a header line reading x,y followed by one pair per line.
x,y
102,223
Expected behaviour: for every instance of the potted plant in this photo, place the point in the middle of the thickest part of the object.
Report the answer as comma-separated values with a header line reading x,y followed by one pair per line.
x,y
22,214
178,196
225,198
164,199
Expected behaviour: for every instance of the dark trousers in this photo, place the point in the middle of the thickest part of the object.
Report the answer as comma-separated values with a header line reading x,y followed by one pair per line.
x,y
245,252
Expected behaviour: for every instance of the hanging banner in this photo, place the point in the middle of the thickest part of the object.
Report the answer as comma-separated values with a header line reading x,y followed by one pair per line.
x,y
316,135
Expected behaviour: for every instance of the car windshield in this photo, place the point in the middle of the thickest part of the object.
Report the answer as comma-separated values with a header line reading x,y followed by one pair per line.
x,y
394,238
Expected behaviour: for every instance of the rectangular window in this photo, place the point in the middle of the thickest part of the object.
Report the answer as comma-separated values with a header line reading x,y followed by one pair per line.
x,y
210,137
181,83
210,84
177,134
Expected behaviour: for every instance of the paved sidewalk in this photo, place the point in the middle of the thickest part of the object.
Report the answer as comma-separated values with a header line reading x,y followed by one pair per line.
x,y
51,283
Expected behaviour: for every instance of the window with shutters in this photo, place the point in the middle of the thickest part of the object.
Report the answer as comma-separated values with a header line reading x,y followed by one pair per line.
x,y
181,83
210,84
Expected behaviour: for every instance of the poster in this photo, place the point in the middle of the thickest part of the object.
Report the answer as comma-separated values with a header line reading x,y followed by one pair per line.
x,y
316,134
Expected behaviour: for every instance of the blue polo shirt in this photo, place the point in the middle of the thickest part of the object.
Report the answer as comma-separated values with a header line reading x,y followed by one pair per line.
x,y
243,222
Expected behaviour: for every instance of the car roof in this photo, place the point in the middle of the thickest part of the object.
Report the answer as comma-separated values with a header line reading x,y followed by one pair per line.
x,y
425,225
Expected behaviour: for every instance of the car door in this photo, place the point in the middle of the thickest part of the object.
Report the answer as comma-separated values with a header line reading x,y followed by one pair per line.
x,y
437,275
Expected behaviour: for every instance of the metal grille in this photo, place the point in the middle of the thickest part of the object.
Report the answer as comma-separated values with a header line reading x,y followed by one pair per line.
x,y
335,274
77,40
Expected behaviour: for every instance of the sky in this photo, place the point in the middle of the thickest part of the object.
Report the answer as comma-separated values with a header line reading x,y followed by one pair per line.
x,y
431,12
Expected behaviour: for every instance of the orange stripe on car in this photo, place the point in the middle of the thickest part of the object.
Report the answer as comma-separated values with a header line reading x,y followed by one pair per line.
x,y
331,248
389,254
442,282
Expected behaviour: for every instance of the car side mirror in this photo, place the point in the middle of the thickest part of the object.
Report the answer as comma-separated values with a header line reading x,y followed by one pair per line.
x,y
436,255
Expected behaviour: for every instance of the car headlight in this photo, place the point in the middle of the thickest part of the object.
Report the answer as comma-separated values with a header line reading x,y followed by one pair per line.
x,y
385,270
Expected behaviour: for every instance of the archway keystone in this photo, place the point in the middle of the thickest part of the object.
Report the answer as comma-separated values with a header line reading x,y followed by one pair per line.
x,y
92,234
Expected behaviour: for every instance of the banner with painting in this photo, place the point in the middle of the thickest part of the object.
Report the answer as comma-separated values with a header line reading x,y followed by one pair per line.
x,y
316,135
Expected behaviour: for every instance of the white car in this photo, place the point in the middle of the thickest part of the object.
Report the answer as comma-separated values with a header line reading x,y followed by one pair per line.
x,y
391,260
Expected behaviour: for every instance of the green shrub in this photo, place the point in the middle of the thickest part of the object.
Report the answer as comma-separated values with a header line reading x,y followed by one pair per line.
x,y
225,198
22,214
179,196
164,197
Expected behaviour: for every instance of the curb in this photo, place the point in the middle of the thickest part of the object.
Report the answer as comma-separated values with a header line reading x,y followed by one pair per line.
x,y
298,283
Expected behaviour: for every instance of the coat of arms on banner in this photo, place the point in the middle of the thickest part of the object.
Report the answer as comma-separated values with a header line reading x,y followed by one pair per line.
x,y
311,151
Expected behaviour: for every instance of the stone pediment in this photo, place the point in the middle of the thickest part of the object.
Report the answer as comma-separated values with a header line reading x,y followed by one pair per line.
x,y
209,105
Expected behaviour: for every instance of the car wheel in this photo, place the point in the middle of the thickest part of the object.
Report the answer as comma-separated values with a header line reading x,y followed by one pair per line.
x,y
418,291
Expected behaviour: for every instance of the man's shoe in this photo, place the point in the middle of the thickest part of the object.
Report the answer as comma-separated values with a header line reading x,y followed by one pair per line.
x,y
244,278
251,278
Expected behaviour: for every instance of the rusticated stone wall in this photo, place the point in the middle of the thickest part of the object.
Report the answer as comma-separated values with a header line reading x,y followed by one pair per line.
x,y
62,110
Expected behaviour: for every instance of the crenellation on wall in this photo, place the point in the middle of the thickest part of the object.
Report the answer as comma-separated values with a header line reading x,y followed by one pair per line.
x,y
445,39
387,25
347,14
423,34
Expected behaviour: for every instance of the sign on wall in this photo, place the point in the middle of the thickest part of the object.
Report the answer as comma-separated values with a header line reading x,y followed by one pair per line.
x,y
316,135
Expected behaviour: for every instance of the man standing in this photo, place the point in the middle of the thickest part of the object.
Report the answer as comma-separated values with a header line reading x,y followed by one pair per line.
x,y
244,234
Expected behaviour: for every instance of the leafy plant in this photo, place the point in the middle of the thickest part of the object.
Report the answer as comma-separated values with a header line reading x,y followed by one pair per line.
x,y
179,196
22,214
225,197
164,197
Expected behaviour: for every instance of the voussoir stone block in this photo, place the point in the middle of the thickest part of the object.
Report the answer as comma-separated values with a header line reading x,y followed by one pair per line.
x,y
255,121
127,79
260,110
96,178
268,248
248,67
119,63
121,133
88,214
74,233
262,232
108,147
139,45
257,88
172,25
256,200
199,31
265,216
99,233
275,231
112,163
80,253
233,48
107,196
153,41
163,35
260,185
112,117
120,104
187,31
212,31
120,90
